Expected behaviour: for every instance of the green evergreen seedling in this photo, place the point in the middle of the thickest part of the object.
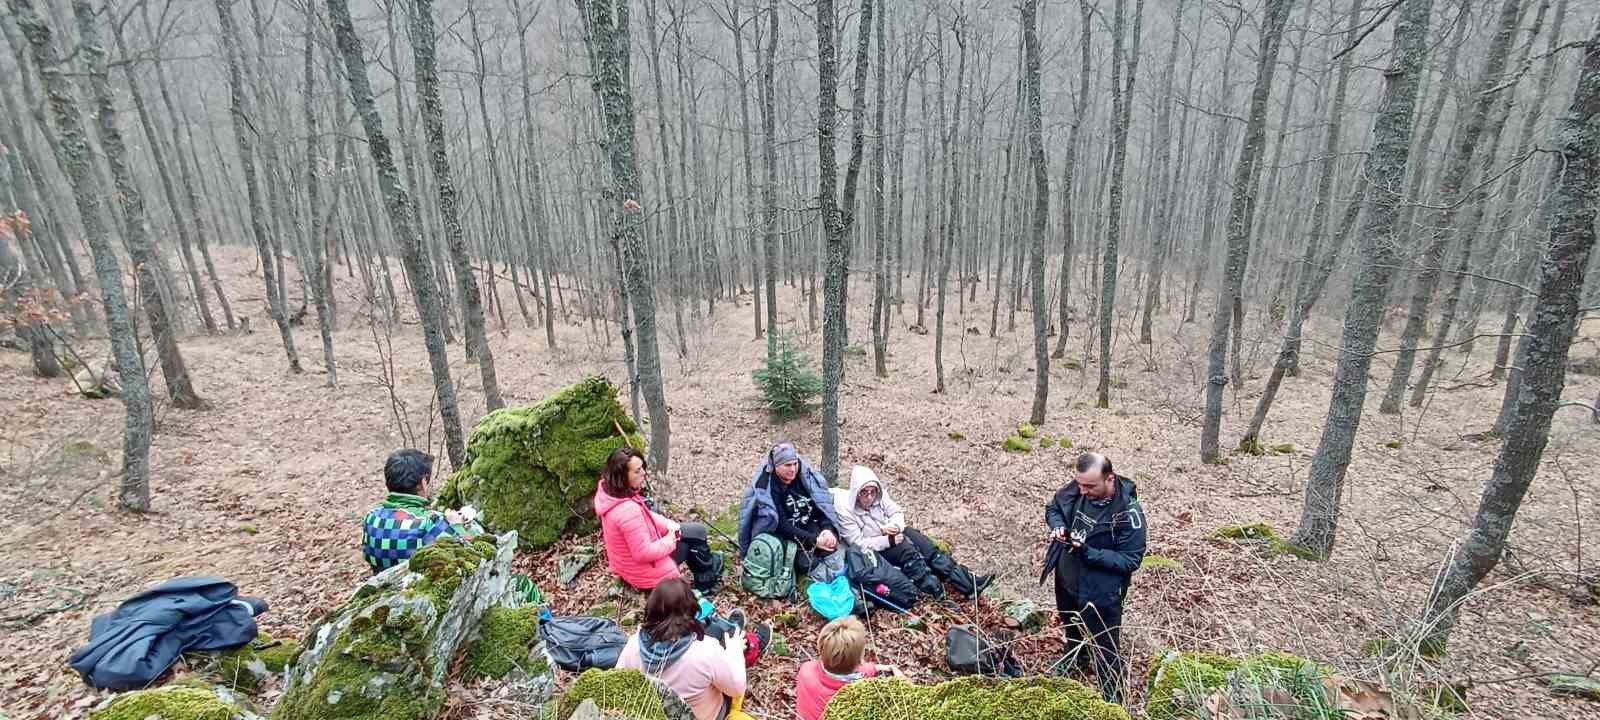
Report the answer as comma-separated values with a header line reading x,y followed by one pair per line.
x,y
787,382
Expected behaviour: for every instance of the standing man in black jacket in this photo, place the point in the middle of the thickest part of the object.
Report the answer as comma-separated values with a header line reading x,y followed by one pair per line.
x,y
1097,537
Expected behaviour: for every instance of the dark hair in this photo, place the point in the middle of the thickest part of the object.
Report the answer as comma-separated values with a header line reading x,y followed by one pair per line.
x,y
614,478
670,612
1089,460
405,470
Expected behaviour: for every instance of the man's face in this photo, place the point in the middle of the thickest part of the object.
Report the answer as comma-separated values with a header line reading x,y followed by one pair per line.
x,y
1093,483
788,470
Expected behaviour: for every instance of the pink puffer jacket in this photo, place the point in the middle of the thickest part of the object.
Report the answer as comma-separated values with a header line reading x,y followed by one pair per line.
x,y
639,542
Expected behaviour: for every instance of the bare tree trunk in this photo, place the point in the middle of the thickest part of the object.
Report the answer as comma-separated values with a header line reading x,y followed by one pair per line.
x,y
880,243
402,223
1219,148
1385,168
1163,222
141,249
422,45
243,135
321,288
1316,267
769,189
1068,177
1241,213
1443,228
608,20
952,173
1121,117
1041,212
1543,355
837,214
133,488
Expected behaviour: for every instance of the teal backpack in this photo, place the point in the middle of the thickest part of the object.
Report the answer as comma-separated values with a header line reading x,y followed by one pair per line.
x,y
769,567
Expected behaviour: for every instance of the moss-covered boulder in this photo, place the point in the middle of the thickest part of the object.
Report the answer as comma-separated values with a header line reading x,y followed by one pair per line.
x,y
971,698
505,643
1249,532
174,702
533,468
1180,683
247,668
628,692
385,653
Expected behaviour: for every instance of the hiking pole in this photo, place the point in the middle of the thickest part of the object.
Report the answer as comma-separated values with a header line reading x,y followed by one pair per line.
x,y
891,605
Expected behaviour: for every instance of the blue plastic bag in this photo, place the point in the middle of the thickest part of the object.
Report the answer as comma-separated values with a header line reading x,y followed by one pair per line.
x,y
832,600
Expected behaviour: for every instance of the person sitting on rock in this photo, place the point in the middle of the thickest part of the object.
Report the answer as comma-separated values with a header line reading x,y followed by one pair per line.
x,y
840,647
406,521
644,547
789,499
703,662
872,521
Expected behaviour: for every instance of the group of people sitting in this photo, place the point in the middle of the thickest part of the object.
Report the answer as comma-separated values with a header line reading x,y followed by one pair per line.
x,y
1097,541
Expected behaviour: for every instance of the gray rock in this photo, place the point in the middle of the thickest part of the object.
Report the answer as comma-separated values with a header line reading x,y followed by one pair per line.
x,y
587,710
1581,686
394,641
573,563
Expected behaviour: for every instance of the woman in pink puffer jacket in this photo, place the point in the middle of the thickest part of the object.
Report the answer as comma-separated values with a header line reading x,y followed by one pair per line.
x,y
644,547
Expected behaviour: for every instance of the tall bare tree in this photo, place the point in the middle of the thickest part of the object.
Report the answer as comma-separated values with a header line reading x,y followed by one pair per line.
x,y
1543,353
422,45
1385,169
1121,118
1241,213
1041,211
133,488
397,203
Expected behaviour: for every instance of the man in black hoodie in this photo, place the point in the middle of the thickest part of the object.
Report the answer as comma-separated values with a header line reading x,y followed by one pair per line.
x,y
1097,539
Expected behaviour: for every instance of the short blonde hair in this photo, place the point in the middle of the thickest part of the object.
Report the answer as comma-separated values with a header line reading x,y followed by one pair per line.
x,y
841,645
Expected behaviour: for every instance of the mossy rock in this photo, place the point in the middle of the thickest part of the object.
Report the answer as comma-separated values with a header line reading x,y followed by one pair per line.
x,y
247,668
1284,449
1064,442
953,435
971,698
1580,686
1027,430
626,691
1159,562
1252,446
173,702
880,699
1249,532
1394,444
504,638
1179,682
386,652
1046,442
533,468
1016,443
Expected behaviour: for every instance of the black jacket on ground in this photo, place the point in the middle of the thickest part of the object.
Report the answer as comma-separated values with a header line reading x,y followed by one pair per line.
x,y
1111,552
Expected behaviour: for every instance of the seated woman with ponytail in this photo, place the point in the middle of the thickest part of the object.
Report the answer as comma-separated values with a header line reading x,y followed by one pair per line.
x,y
644,547
704,662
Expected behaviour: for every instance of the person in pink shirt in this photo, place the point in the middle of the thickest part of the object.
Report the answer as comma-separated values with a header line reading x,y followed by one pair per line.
x,y
644,547
840,647
705,667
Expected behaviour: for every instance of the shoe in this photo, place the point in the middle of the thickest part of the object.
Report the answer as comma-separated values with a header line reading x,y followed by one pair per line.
x,y
981,583
755,642
737,618
932,586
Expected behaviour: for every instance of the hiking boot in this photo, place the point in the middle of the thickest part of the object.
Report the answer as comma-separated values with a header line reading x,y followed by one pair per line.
x,y
737,618
981,583
931,586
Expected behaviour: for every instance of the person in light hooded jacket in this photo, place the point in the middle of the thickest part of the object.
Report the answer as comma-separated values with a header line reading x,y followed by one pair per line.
x,y
871,520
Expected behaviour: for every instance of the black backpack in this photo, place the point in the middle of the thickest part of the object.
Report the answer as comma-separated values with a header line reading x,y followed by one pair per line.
x,y
578,642
882,583
969,652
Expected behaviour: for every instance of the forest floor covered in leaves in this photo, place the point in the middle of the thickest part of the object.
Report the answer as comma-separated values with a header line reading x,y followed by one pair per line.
x,y
267,488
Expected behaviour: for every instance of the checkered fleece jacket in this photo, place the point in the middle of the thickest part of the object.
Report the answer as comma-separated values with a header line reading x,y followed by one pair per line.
x,y
399,527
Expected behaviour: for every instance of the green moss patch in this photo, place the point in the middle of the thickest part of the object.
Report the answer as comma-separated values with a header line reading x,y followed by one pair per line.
x,y
175,702
1256,531
625,691
504,638
533,468
1016,443
1159,562
1179,682
1027,430
971,698
246,668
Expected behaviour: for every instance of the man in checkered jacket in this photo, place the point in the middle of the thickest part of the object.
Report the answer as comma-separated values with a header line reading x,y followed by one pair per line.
x,y
406,521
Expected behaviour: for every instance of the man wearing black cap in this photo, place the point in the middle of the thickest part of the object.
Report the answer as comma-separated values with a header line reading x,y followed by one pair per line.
x,y
1097,540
